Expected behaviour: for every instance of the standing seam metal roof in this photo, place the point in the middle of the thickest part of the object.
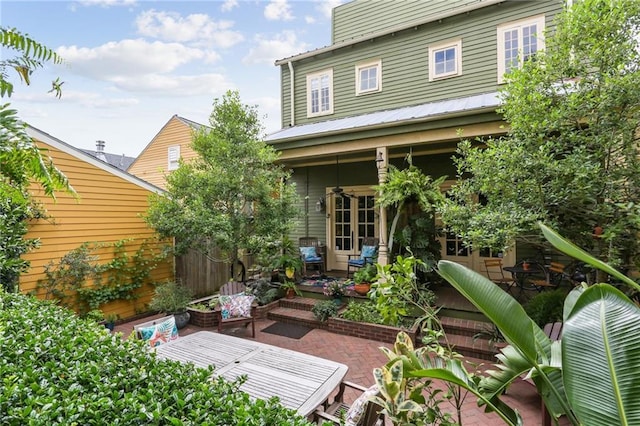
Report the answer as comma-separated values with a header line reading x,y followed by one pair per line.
x,y
391,117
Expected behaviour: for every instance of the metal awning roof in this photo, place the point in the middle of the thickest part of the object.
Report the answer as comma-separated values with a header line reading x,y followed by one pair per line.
x,y
404,115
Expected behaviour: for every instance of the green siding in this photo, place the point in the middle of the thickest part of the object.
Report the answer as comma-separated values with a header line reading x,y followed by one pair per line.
x,y
404,58
362,17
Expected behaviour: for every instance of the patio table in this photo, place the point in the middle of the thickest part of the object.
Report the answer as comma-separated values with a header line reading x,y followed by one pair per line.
x,y
522,276
301,381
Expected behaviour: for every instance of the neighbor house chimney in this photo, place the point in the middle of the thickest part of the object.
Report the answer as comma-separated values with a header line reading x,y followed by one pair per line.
x,y
100,150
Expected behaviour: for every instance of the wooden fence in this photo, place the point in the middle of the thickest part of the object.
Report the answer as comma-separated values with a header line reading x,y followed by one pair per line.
x,y
203,275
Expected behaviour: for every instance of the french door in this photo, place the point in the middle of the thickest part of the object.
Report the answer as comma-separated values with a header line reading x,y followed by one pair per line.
x,y
351,218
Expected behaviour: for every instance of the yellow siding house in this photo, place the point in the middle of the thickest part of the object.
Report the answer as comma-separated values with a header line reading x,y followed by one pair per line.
x,y
108,210
161,155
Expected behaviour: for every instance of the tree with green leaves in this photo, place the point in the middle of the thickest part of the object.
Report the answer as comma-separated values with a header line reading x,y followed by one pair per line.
x,y
233,195
570,157
21,161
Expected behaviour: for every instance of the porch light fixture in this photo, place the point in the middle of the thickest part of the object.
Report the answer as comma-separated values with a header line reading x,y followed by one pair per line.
x,y
320,205
380,160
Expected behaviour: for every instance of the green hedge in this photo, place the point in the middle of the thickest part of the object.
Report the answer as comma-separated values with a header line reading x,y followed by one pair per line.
x,y
58,369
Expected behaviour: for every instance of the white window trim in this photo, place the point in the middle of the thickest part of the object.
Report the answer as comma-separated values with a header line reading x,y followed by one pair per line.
x,y
502,28
172,165
457,45
310,77
370,64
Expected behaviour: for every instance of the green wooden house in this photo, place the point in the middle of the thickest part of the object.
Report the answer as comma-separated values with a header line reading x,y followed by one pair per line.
x,y
398,78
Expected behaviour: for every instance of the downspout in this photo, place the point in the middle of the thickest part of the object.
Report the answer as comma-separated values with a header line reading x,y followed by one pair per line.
x,y
292,121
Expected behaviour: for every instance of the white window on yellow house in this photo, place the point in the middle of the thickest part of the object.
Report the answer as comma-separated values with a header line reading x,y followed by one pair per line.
x,y
320,93
173,155
518,42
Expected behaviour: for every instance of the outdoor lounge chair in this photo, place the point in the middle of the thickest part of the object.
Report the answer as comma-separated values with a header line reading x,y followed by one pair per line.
x,y
311,254
362,412
368,254
235,308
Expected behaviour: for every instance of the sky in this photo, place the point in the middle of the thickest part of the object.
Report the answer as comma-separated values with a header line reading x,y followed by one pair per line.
x,y
130,65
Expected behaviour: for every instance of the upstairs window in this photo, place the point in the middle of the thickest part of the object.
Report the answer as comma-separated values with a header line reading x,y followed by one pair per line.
x,y
320,93
369,77
518,42
173,155
445,59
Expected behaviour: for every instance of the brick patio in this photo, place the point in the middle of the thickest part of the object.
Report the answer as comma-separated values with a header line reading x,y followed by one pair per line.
x,y
362,356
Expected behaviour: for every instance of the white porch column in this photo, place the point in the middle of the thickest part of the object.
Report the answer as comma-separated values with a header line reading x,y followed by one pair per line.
x,y
382,164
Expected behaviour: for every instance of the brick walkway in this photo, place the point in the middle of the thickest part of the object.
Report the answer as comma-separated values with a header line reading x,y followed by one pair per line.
x,y
362,356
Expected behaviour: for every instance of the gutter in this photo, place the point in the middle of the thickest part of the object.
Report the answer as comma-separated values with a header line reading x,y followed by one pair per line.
x,y
292,83
465,9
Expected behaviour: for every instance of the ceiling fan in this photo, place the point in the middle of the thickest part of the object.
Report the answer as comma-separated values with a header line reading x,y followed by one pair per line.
x,y
338,190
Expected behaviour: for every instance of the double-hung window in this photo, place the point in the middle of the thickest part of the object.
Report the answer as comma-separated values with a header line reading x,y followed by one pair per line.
x,y
173,155
368,77
320,93
517,42
445,59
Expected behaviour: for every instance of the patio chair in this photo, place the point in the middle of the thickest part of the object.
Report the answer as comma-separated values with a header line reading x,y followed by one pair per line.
x,y
311,254
368,254
361,413
235,308
555,275
494,271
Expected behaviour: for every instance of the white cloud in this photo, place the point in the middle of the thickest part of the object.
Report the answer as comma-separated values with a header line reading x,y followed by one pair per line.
x,y
326,6
228,5
309,19
196,28
107,3
128,58
84,99
176,86
269,50
278,10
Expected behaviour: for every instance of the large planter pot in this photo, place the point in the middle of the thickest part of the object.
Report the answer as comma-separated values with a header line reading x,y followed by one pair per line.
x,y
362,288
182,319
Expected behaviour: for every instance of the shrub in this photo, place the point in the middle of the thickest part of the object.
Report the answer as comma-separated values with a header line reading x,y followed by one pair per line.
x,y
324,310
546,307
362,312
263,291
59,369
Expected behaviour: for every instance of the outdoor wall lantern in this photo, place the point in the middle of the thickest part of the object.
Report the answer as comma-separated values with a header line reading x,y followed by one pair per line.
x,y
320,205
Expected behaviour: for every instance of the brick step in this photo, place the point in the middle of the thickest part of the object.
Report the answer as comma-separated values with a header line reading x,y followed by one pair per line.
x,y
300,303
470,347
295,316
464,327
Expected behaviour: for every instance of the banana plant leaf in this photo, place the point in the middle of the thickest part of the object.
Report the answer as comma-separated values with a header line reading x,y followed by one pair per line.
x,y
522,333
601,356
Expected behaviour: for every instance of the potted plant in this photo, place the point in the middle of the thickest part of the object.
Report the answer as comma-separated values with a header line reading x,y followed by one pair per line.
x,y
363,278
172,298
289,264
110,321
335,290
290,289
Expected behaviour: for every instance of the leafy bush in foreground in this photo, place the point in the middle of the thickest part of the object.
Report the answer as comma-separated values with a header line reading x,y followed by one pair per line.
x,y
58,369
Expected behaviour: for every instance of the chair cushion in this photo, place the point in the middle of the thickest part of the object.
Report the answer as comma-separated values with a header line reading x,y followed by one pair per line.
x,y
368,252
359,407
309,254
356,262
236,305
160,333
